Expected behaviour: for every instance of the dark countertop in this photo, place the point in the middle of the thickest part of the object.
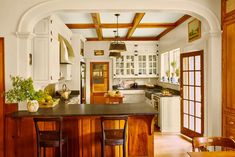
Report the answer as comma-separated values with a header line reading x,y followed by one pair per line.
x,y
89,110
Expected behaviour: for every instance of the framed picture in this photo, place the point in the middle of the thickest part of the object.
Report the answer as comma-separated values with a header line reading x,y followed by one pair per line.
x,y
98,52
194,30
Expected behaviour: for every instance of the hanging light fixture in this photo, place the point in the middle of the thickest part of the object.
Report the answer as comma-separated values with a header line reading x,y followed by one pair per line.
x,y
117,46
115,54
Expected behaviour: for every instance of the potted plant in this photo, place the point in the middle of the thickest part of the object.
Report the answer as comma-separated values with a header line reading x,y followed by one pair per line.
x,y
23,91
173,65
177,72
168,74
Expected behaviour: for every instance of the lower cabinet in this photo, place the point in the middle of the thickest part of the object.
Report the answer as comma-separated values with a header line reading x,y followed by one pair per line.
x,y
229,126
133,96
169,116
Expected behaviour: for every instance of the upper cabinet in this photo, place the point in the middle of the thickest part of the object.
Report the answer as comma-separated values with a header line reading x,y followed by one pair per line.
x,y
46,50
137,62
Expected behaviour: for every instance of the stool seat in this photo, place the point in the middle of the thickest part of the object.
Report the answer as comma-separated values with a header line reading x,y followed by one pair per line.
x,y
52,137
113,137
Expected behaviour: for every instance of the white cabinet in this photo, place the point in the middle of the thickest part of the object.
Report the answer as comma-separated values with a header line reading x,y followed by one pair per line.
x,y
135,66
66,71
133,96
170,114
46,68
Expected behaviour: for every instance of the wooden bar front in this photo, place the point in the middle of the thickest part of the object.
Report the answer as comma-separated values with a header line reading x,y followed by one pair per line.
x,y
84,134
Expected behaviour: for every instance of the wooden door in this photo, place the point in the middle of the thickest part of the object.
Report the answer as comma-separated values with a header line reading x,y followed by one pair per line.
x,y
99,78
2,101
192,97
228,68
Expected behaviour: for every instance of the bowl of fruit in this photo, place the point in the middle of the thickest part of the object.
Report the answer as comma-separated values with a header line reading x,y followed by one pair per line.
x,y
46,100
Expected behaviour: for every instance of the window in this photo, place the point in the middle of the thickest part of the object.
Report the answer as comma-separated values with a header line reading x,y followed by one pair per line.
x,y
170,63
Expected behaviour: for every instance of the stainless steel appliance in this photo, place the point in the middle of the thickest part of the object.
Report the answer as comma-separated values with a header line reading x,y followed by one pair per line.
x,y
156,105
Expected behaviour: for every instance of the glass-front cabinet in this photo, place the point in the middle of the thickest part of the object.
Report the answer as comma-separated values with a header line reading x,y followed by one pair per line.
x,y
135,66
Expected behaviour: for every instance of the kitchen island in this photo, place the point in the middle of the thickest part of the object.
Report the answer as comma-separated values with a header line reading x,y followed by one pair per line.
x,y
81,122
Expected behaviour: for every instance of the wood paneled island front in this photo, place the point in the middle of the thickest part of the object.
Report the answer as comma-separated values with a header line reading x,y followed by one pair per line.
x,y
81,122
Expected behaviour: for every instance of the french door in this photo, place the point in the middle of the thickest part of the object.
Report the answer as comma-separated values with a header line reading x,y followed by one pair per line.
x,y
192,94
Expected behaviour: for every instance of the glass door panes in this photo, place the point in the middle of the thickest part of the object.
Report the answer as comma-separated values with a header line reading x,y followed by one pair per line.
x,y
192,94
152,61
120,66
129,65
142,64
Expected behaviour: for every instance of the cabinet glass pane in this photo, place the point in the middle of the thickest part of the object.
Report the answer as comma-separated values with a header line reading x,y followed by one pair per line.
x,y
150,58
144,58
154,58
144,65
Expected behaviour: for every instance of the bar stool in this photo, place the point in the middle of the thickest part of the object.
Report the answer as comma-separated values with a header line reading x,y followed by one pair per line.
x,y
50,138
113,137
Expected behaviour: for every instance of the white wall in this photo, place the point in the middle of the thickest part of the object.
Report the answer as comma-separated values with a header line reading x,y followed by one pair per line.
x,y
178,38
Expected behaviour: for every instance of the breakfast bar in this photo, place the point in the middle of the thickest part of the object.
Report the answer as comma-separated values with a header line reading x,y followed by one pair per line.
x,y
81,122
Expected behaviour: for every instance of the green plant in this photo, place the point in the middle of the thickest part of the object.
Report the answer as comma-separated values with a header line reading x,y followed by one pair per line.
x,y
168,73
173,64
22,89
177,72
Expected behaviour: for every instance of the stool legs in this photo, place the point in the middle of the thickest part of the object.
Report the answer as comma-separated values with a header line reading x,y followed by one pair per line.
x,y
124,150
103,149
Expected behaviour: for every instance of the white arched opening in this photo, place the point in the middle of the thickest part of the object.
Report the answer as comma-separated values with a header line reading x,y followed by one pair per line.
x,y
194,8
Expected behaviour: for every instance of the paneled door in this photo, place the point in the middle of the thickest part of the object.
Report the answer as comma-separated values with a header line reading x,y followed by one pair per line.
x,y
192,97
99,78
2,101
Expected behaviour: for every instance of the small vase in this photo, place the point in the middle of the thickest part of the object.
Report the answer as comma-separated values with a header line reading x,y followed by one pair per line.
x,y
32,105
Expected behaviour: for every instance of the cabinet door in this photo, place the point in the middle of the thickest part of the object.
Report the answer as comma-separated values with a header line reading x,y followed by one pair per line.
x,y
54,60
129,65
142,65
228,66
40,59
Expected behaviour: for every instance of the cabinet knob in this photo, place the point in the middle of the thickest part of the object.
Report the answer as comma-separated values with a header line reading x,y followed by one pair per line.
x,y
231,123
51,77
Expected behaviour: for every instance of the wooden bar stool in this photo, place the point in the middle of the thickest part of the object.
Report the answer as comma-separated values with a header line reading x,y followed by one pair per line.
x,y
50,138
113,137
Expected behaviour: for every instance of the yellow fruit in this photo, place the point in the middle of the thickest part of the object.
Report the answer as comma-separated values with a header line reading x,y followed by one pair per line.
x,y
48,98
42,101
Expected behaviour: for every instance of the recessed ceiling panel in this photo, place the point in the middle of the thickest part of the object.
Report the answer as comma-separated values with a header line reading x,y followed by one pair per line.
x,y
87,33
108,33
147,32
125,17
161,17
75,17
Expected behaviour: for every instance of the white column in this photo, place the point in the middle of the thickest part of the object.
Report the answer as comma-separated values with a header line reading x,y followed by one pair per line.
x,y
214,88
24,48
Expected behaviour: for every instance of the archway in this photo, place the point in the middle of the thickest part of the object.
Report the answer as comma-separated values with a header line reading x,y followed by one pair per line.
x,y
194,8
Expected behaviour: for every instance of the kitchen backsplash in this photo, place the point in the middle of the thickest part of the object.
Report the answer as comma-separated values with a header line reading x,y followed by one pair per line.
x,y
140,81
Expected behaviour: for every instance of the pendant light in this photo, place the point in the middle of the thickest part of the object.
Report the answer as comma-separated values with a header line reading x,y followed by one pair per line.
x,y
115,54
117,46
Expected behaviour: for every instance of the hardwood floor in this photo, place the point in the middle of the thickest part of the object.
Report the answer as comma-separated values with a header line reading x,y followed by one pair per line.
x,y
168,145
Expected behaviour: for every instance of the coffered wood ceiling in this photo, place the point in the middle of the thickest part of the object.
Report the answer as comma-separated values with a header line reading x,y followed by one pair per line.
x,y
132,26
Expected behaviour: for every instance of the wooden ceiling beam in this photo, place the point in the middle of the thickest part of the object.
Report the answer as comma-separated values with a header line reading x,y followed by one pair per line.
x,y
121,25
96,21
125,39
177,23
138,17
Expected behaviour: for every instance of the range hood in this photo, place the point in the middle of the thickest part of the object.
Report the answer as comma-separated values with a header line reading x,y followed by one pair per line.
x,y
66,51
